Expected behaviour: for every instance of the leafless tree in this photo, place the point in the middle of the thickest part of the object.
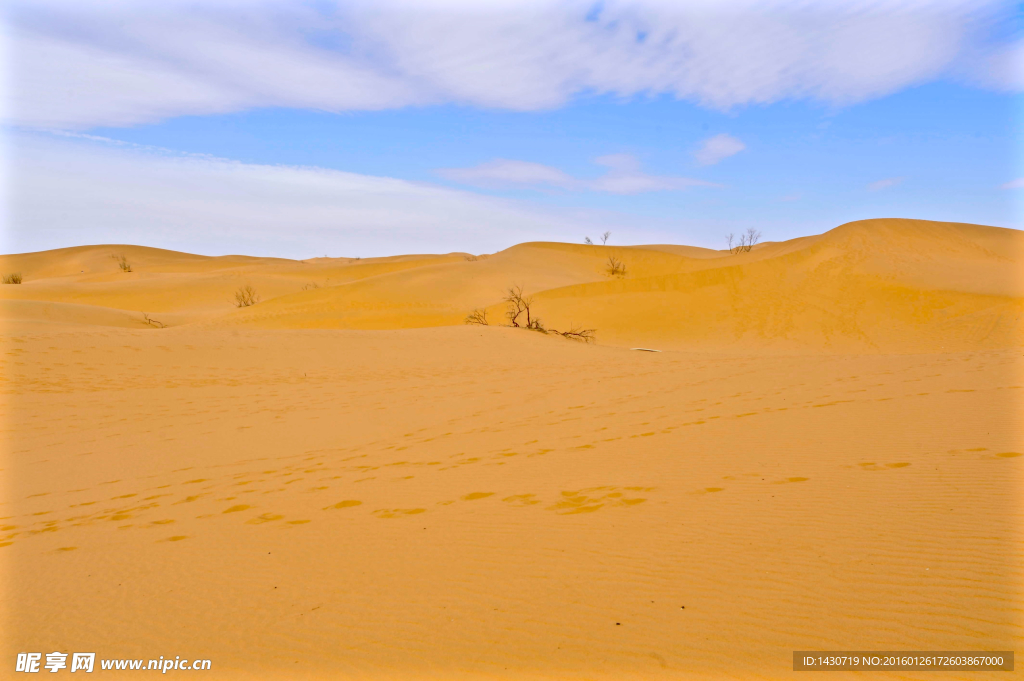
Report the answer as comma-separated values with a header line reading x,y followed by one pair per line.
x,y
246,296
615,267
747,241
12,278
604,238
587,241
477,316
518,305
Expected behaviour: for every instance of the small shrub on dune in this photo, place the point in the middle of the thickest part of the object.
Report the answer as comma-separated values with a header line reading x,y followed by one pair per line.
x,y
146,319
13,278
477,316
246,296
519,307
746,242
615,267
122,262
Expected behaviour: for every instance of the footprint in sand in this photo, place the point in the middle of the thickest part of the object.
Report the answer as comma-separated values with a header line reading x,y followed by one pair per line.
x,y
1008,455
397,512
68,548
348,503
298,522
477,495
176,538
522,499
264,518
594,498
239,507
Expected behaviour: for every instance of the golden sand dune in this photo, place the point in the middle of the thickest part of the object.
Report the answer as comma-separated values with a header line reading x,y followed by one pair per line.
x,y
877,285
293,497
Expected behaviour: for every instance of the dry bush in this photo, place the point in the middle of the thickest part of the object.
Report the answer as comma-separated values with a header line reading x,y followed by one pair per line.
x,y
604,238
246,296
518,305
578,334
310,285
746,242
477,316
122,262
587,241
152,322
536,325
471,258
12,278
615,267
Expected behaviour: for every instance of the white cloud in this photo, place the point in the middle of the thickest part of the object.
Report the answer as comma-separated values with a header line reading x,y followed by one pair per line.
x,y
623,176
885,184
89,63
71,191
503,173
1014,184
718,148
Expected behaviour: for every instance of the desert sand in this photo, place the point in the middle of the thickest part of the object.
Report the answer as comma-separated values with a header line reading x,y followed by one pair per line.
x,y
345,481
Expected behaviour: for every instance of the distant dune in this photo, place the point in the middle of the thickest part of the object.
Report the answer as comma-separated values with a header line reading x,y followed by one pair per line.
x,y
828,455
869,286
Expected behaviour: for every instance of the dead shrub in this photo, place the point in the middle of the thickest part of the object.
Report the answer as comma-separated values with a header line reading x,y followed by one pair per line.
x,y
12,278
152,322
577,333
615,267
246,296
747,241
477,316
122,262
517,306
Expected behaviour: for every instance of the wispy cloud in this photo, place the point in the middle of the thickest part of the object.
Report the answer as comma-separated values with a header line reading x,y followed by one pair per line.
x,y
96,63
1014,184
885,184
623,176
503,172
78,190
718,148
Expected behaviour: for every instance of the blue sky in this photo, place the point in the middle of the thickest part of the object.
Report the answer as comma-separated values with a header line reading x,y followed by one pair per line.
x,y
264,129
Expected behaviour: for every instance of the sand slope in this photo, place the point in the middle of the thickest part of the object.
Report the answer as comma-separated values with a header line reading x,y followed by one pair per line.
x,y
827,455
481,503
870,286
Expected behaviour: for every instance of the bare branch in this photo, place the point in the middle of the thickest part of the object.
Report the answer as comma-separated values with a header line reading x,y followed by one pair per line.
x,y
615,267
477,316
751,237
246,296
518,304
